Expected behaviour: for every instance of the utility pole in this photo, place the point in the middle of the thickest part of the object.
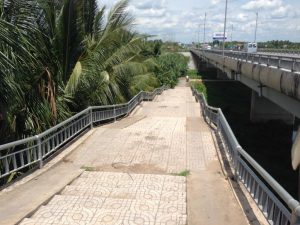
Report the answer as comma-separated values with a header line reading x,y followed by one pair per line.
x,y
231,32
199,35
225,20
204,28
255,27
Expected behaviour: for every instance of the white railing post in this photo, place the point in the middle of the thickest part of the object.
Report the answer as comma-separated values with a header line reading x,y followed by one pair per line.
x,y
115,116
218,121
236,161
91,117
39,146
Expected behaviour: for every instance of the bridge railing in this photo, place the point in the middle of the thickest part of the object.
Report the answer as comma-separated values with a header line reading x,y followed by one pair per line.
x,y
19,155
280,61
263,188
282,51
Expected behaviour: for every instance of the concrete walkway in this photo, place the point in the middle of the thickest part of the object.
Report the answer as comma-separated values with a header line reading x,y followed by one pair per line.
x,y
130,174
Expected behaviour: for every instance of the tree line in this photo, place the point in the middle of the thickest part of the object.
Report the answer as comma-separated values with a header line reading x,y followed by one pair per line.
x,y
58,57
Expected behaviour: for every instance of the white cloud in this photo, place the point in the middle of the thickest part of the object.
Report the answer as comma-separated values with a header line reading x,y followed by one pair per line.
x,y
215,2
282,11
183,20
262,4
150,4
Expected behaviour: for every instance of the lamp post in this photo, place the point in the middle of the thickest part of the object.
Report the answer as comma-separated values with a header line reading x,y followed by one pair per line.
x,y
225,20
204,28
231,32
199,35
255,27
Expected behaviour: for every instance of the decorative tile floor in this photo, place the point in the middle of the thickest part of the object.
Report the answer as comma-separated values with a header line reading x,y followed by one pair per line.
x,y
104,198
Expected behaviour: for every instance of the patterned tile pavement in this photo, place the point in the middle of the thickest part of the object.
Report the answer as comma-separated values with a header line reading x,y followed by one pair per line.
x,y
116,198
168,134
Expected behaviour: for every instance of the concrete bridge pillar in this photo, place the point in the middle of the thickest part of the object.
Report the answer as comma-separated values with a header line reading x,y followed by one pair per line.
x,y
263,110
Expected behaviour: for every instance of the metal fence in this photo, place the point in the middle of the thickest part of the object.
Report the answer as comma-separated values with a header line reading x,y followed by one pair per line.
x,y
281,51
280,61
19,155
264,190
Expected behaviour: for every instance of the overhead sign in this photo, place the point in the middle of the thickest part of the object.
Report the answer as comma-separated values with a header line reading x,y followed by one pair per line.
x,y
219,36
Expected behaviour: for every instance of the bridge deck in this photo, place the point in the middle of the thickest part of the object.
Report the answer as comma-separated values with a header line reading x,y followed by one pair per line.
x,y
162,137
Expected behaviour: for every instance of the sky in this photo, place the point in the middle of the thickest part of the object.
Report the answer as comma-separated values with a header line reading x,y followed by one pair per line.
x,y
183,20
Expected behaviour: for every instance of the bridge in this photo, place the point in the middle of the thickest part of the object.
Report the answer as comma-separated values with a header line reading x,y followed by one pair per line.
x,y
273,77
163,158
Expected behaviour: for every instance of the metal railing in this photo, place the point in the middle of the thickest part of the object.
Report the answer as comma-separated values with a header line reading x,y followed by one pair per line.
x,y
258,182
281,51
21,154
280,61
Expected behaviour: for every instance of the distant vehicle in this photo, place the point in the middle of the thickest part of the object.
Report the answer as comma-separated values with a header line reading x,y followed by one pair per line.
x,y
206,46
250,47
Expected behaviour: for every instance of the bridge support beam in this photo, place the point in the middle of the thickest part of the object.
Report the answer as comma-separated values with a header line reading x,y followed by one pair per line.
x,y
263,110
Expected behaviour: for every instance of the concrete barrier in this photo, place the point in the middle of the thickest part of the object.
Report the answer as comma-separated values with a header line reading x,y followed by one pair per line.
x,y
286,82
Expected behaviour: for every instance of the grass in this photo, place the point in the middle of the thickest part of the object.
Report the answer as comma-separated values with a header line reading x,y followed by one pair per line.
x,y
88,168
193,74
268,143
183,173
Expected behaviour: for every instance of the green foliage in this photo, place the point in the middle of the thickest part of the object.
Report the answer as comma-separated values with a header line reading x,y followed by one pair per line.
x,y
279,44
170,46
193,74
170,67
183,173
200,87
58,57
88,168
152,48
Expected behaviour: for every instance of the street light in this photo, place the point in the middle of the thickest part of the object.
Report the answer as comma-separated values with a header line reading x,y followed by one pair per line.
x,y
225,20
204,29
255,27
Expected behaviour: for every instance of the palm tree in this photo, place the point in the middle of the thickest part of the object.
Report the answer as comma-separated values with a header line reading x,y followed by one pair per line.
x,y
57,53
104,72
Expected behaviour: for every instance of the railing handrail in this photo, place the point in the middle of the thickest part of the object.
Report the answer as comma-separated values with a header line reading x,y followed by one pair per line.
x,y
281,50
61,124
293,204
292,58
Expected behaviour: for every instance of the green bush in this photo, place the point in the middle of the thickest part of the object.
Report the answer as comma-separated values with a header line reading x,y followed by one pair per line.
x,y
200,87
193,74
170,67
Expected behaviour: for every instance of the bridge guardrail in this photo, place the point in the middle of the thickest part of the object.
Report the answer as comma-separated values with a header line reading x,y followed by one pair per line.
x,y
250,173
18,155
282,61
283,51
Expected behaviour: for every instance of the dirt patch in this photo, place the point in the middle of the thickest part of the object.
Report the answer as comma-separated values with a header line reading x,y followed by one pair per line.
x,y
151,138
126,168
